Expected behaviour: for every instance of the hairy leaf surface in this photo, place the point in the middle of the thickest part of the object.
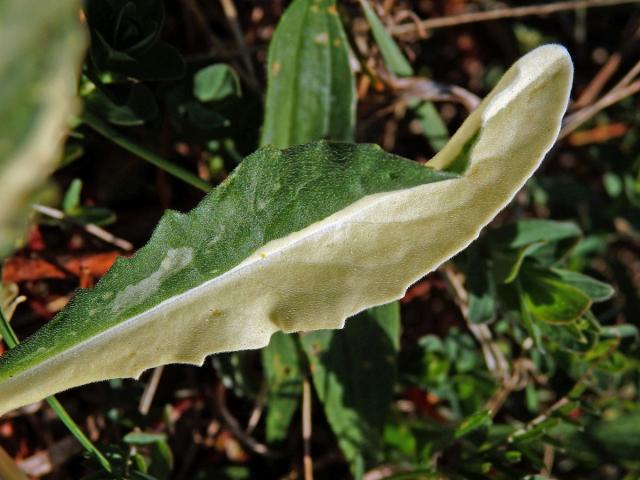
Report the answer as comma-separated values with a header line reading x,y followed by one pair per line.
x,y
295,240
41,44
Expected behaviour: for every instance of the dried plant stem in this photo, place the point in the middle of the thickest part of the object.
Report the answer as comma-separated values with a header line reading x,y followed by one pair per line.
x,y
502,13
94,230
573,121
258,408
150,390
231,13
493,357
235,427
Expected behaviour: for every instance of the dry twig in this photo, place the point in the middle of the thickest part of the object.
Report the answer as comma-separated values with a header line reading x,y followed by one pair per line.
x,y
493,357
234,425
150,390
502,13
573,121
231,13
94,230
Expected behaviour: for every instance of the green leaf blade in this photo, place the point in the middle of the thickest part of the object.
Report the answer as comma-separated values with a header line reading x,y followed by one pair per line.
x,y
353,382
311,92
266,252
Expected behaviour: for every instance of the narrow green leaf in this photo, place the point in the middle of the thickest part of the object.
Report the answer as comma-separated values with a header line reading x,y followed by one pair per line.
x,y
311,91
353,371
41,47
333,119
433,127
393,56
143,438
619,331
475,421
295,240
284,373
531,231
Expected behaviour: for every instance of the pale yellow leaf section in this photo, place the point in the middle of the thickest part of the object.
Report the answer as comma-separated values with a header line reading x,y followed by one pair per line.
x,y
365,255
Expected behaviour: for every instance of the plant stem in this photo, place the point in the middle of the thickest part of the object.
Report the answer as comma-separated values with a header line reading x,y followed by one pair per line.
x,y
116,137
12,341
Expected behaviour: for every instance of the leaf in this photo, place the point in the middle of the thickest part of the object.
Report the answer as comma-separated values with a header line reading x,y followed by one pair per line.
x,y
295,240
473,422
547,240
41,47
284,373
143,438
393,56
215,82
533,230
331,121
354,386
596,290
311,92
549,299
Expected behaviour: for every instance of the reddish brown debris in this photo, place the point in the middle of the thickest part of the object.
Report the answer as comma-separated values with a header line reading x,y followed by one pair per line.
x,y
21,269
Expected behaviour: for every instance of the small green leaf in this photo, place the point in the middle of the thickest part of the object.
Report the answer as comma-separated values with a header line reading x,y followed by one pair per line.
x,y
619,331
547,241
215,82
620,437
532,231
142,438
71,201
551,300
473,422
598,291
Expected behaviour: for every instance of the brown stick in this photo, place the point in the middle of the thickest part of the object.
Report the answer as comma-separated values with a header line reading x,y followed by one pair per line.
x,y
233,425
232,17
502,13
576,119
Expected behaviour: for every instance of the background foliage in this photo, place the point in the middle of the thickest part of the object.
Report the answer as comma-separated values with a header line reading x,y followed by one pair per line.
x,y
517,359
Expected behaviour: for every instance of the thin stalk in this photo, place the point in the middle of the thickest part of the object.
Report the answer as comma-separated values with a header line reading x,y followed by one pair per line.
x,y
12,341
116,137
